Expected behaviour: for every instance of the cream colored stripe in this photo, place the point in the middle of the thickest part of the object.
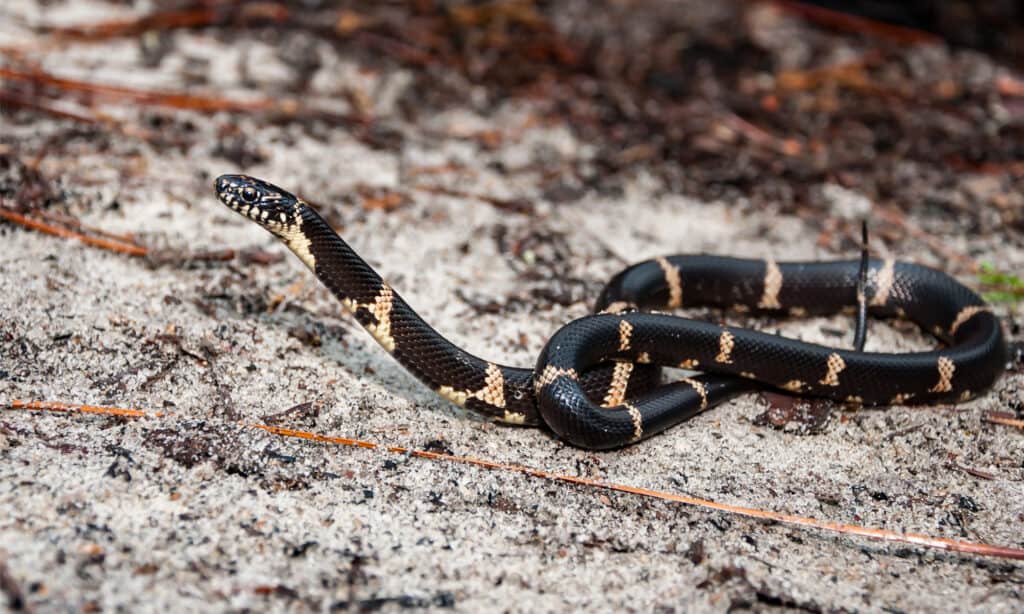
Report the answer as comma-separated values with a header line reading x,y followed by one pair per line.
x,y
772,285
886,275
966,314
946,370
701,389
514,417
492,392
618,307
617,388
625,330
793,385
675,284
638,421
835,365
380,309
726,342
296,240
550,374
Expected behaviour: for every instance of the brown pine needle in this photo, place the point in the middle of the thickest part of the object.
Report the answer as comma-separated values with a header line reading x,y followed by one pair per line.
x,y
939,543
74,224
114,246
59,109
126,244
145,97
522,206
1010,86
991,417
74,408
845,22
228,12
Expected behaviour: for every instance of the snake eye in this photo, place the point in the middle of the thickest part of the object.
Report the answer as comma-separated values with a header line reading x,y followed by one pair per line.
x,y
248,195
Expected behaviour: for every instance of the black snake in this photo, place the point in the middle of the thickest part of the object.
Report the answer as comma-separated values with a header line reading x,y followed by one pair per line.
x,y
596,381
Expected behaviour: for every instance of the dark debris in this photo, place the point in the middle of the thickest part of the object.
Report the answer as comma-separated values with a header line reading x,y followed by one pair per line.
x,y
797,415
738,101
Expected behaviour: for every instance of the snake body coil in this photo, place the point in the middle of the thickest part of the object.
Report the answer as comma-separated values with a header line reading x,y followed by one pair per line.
x,y
595,383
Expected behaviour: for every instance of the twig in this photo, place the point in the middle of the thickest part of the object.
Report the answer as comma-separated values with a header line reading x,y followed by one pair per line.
x,y
759,136
939,543
228,12
7,98
978,473
1010,86
125,244
989,417
114,92
114,246
857,25
77,225
400,50
851,75
521,206
75,408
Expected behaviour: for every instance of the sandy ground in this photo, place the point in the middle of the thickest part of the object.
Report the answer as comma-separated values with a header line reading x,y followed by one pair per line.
x,y
194,512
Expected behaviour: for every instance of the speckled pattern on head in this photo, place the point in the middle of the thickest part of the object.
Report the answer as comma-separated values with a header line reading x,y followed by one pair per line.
x,y
583,392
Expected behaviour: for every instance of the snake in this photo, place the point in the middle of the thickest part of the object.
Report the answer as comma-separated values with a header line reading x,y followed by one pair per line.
x,y
597,381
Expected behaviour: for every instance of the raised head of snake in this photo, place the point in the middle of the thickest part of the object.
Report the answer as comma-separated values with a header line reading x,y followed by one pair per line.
x,y
279,211
264,203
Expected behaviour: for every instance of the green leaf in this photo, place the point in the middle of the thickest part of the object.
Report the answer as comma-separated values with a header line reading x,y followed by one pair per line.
x,y
1002,287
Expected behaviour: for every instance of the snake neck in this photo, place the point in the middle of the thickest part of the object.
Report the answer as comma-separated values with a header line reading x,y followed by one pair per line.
x,y
500,392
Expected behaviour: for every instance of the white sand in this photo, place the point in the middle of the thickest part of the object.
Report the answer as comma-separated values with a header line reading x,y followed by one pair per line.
x,y
192,512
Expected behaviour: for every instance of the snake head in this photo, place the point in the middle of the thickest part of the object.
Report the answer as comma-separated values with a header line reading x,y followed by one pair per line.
x,y
264,203
277,210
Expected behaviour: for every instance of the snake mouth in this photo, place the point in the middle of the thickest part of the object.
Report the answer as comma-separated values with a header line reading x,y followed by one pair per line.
x,y
257,200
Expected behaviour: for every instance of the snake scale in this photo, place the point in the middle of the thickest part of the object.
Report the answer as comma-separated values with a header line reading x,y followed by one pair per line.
x,y
596,382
